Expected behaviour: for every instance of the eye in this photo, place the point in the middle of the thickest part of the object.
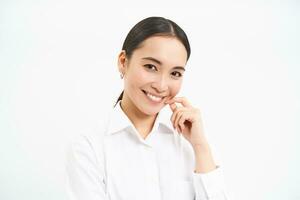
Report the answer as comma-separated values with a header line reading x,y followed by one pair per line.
x,y
150,67
177,74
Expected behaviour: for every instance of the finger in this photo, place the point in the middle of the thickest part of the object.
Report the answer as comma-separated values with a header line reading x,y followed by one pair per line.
x,y
179,114
182,120
175,112
173,107
181,100
173,118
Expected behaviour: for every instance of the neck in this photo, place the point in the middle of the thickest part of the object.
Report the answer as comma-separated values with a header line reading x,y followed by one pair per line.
x,y
141,121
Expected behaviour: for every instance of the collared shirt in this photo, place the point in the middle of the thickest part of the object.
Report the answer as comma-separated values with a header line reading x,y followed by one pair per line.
x,y
116,163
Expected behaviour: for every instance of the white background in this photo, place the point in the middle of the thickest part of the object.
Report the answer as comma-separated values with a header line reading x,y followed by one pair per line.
x,y
58,73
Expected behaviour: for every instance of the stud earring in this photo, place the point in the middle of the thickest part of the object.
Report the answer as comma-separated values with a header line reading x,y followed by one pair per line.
x,y
121,75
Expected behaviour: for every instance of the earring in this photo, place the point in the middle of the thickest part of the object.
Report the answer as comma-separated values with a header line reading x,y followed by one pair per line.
x,y
121,75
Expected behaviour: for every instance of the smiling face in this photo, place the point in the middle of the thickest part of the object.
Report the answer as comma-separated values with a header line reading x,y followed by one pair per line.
x,y
153,74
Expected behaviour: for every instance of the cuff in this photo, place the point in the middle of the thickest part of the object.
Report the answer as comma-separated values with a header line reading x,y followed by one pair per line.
x,y
210,184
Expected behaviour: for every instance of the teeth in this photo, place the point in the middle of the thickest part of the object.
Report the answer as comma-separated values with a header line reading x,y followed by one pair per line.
x,y
154,98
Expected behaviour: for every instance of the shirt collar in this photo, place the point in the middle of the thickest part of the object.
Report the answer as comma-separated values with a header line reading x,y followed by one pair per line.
x,y
118,121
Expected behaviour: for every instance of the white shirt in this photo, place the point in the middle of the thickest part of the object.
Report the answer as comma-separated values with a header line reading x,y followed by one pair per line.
x,y
116,163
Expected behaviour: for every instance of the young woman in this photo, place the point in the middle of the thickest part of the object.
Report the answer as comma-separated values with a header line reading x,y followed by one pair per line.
x,y
139,152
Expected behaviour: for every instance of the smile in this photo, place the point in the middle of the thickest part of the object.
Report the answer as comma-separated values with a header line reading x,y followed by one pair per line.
x,y
153,98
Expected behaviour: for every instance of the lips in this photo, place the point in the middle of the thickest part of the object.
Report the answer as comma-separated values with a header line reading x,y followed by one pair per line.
x,y
154,98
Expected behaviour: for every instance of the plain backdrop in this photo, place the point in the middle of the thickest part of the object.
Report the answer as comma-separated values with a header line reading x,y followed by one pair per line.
x,y
58,74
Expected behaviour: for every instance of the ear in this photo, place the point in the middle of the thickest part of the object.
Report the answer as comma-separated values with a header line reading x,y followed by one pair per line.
x,y
122,62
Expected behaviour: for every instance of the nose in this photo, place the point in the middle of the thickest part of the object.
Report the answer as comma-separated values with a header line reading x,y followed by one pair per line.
x,y
160,85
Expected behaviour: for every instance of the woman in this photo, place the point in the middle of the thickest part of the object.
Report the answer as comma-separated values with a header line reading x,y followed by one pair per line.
x,y
139,152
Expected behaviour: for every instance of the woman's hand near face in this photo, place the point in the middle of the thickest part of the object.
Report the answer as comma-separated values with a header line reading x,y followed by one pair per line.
x,y
186,119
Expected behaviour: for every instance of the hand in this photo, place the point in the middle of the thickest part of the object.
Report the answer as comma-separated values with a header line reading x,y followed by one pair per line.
x,y
186,119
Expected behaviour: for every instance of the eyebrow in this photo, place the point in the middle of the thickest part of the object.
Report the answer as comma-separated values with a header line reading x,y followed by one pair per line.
x,y
160,63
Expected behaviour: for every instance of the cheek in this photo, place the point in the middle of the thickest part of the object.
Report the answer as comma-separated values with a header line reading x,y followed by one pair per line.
x,y
137,79
141,78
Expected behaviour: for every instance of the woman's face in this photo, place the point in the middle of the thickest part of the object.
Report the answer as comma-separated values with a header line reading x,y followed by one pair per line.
x,y
154,73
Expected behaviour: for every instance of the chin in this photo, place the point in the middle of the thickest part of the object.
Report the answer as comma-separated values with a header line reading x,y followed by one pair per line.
x,y
151,110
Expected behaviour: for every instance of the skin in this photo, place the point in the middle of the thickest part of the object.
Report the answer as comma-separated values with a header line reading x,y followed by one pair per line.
x,y
162,79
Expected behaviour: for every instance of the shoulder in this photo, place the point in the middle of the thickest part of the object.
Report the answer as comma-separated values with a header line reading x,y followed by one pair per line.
x,y
90,141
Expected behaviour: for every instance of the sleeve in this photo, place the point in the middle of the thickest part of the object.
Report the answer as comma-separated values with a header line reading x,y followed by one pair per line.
x,y
84,174
210,185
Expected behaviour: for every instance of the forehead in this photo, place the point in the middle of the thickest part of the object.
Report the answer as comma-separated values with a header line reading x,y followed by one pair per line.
x,y
169,50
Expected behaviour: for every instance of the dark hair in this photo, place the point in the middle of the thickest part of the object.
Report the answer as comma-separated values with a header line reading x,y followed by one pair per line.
x,y
152,26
